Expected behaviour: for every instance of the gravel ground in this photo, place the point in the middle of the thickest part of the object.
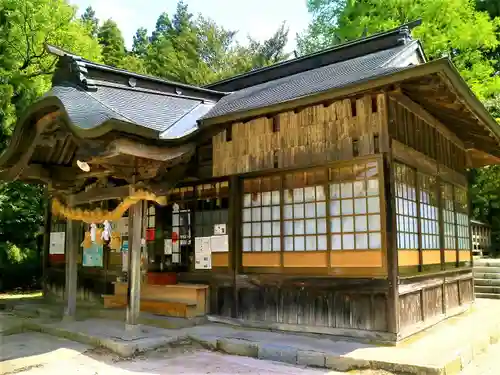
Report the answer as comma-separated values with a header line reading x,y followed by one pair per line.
x,y
185,358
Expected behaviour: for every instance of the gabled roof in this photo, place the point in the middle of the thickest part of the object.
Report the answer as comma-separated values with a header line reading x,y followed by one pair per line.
x,y
313,81
338,53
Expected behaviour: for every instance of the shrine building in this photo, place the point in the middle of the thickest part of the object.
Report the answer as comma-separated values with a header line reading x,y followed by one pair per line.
x,y
323,194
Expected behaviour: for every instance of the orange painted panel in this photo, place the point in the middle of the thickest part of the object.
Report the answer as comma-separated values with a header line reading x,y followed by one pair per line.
x,y
464,256
356,258
305,259
261,259
408,258
431,257
220,259
450,256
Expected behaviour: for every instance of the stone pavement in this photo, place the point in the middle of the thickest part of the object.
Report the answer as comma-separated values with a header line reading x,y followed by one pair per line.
x,y
445,349
36,353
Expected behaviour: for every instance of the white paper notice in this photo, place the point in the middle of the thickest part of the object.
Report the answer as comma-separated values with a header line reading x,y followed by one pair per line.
x,y
176,258
167,246
219,244
219,229
202,253
57,240
203,262
202,245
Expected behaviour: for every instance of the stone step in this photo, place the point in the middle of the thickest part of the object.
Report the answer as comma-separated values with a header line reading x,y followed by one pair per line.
x,y
486,282
488,269
487,289
487,262
488,295
486,275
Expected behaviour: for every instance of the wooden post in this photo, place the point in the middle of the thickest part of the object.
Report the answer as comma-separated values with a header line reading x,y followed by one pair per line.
x,y
46,245
235,209
71,268
392,250
134,265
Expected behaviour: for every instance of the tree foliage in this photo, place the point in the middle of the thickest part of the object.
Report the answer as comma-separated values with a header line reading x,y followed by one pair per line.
x,y
25,73
112,43
452,28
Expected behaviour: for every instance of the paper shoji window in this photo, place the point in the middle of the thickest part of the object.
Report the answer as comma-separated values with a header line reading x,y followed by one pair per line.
x,y
429,219
448,216
304,211
355,207
181,222
262,214
406,207
461,205
151,215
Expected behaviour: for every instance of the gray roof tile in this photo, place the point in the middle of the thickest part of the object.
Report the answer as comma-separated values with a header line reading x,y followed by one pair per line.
x,y
308,83
155,111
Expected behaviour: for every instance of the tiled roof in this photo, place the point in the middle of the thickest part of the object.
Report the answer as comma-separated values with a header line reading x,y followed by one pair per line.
x,y
310,82
156,111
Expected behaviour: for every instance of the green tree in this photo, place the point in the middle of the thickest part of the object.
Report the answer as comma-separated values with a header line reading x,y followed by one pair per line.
x,y
25,73
453,28
141,42
89,18
112,42
196,50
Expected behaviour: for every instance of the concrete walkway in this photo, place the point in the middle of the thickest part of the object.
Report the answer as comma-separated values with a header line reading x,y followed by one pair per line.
x,y
444,349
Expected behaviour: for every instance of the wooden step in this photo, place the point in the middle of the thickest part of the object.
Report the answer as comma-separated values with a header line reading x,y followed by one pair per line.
x,y
162,306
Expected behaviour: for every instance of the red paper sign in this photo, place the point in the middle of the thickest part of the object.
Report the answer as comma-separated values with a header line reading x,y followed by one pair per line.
x,y
175,237
150,234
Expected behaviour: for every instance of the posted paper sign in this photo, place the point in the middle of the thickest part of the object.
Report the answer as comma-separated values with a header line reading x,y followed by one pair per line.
x,y
219,229
203,262
219,244
167,246
202,253
57,240
92,256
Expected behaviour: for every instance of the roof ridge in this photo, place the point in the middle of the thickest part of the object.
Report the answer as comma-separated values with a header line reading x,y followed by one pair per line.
x,y
400,35
84,63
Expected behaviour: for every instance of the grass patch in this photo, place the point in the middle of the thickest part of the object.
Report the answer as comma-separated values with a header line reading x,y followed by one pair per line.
x,y
20,295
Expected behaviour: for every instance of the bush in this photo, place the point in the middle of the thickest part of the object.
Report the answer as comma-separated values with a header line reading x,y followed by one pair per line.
x,y
19,268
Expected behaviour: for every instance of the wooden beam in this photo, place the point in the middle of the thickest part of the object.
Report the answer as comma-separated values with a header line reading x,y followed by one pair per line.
x,y
134,265
392,250
235,240
101,194
15,171
424,115
71,254
46,242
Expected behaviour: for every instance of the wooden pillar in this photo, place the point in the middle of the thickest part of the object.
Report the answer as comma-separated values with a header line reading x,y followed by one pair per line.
x,y
134,264
71,268
392,250
234,226
46,245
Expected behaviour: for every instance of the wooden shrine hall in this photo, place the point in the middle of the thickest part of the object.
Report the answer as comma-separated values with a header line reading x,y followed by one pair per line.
x,y
326,193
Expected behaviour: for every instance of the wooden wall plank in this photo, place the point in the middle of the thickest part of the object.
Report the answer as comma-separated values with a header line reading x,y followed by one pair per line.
x,y
310,136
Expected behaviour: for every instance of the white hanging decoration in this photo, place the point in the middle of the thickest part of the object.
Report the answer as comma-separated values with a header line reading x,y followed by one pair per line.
x,y
106,233
93,230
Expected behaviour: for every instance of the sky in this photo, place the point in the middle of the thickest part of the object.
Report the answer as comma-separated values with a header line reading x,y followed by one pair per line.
x,y
257,18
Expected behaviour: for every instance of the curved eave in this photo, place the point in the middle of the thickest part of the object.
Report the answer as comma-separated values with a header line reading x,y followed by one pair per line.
x,y
25,135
